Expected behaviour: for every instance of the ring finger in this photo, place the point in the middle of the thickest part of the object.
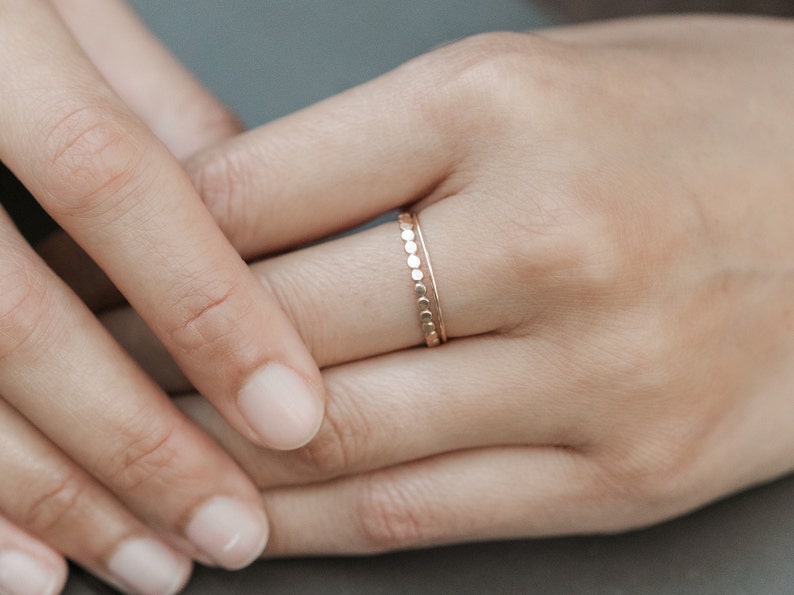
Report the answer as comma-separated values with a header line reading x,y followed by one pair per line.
x,y
353,297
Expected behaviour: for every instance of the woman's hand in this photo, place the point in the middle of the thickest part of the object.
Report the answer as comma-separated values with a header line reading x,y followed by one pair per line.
x,y
609,213
95,461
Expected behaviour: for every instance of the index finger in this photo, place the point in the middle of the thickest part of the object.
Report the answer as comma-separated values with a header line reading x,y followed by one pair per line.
x,y
119,192
152,82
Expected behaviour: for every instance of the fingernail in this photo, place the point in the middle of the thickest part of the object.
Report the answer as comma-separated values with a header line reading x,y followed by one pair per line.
x,y
230,532
21,574
146,566
280,407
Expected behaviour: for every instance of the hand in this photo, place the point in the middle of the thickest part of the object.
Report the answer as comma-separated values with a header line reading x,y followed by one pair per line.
x,y
609,214
96,462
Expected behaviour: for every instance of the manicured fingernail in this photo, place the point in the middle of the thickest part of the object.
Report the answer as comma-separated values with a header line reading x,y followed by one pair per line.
x,y
280,407
21,574
232,533
146,566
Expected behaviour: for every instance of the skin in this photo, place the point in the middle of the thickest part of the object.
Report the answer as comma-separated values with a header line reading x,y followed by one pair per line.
x,y
94,115
608,209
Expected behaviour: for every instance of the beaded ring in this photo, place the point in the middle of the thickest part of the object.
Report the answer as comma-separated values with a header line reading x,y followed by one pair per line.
x,y
425,288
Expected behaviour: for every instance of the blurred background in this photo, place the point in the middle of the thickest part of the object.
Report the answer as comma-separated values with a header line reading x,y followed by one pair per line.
x,y
266,58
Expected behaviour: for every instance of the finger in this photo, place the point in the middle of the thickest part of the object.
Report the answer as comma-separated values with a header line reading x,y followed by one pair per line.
x,y
124,198
354,297
467,396
497,493
341,162
27,565
58,366
151,81
170,101
46,494
419,132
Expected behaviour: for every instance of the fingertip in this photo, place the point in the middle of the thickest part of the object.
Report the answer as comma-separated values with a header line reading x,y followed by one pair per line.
x,y
21,573
282,408
231,532
147,566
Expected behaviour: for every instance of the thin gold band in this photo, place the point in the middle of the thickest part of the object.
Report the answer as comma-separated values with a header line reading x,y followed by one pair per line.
x,y
425,288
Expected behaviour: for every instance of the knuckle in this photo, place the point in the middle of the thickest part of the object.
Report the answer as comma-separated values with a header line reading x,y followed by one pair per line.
x,y
94,164
642,351
388,515
58,499
25,302
146,453
205,320
653,480
341,441
563,250
547,245
491,74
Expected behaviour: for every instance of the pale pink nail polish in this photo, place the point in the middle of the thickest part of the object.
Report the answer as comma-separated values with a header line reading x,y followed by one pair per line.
x,y
149,567
22,574
280,407
229,531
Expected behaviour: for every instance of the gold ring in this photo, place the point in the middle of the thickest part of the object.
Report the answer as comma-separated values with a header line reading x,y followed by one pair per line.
x,y
425,287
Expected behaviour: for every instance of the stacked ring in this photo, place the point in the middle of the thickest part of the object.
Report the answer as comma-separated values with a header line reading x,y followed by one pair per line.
x,y
425,287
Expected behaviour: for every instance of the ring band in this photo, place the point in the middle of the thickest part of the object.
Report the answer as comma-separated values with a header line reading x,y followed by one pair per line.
x,y
425,288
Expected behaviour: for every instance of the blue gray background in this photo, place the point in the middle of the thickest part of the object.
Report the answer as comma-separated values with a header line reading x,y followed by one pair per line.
x,y
266,58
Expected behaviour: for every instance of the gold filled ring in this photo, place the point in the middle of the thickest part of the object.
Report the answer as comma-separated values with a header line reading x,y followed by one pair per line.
x,y
425,288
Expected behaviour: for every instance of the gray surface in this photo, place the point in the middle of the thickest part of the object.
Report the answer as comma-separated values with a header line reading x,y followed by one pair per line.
x,y
267,58
744,545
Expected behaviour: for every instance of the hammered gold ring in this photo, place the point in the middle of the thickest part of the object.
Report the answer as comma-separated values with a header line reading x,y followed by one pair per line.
x,y
425,287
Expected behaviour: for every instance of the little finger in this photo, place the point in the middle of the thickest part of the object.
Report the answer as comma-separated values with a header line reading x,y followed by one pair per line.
x,y
497,493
